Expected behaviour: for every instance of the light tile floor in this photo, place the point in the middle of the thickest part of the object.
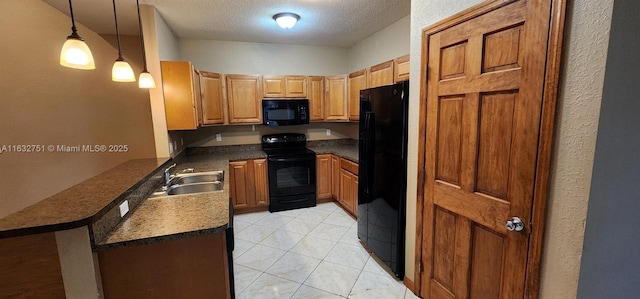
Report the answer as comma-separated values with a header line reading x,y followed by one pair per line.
x,y
307,253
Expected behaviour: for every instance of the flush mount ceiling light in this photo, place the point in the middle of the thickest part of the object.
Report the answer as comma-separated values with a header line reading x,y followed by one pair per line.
x,y
146,79
121,71
75,53
286,20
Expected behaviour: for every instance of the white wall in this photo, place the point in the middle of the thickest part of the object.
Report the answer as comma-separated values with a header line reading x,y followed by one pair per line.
x,y
581,82
264,59
386,44
167,41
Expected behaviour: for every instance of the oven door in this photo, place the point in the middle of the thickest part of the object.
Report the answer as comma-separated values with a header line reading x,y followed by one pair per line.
x,y
292,174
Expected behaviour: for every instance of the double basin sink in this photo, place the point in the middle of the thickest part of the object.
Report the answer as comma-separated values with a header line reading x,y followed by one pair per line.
x,y
193,182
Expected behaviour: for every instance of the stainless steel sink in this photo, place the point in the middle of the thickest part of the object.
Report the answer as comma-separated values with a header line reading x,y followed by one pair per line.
x,y
195,188
194,182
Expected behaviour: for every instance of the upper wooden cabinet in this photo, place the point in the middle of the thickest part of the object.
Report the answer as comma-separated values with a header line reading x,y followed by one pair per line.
x,y
336,98
180,94
357,82
380,74
213,99
315,92
284,86
244,93
401,68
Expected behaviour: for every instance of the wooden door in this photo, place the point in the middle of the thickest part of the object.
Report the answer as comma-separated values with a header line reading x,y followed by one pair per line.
x,y
316,97
323,176
357,82
213,99
380,74
296,86
244,95
484,102
336,98
346,190
260,179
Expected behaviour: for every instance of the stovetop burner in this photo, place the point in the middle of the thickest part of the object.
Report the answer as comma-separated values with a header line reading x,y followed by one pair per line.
x,y
285,143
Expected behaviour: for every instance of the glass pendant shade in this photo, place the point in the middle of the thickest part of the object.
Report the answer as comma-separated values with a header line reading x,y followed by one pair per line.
x,y
122,72
146,80
76,54
286,20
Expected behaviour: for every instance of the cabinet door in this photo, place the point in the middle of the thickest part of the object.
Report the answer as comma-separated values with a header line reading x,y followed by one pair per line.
x,y
213,99
323,176
380,74
197,96
347,191
244,94
336,98
179,96
274,86
354,196
335,177
239,183
357,82
316,97
296,86
401,68
261,186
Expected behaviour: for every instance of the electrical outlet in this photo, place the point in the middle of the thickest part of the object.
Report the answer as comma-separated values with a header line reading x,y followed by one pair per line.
x,y
124,208
170,148
218,137
181,142
328,132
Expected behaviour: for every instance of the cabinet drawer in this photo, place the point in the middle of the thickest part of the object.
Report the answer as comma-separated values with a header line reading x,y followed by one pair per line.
x,y
349,166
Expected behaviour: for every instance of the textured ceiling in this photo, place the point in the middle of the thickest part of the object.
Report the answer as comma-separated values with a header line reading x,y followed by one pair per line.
x,y
335,23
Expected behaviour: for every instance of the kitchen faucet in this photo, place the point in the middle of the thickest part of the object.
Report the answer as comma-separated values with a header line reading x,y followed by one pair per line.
x,y
167,176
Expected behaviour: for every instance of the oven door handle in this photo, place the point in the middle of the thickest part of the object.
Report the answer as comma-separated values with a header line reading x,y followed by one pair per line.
x,y
291,159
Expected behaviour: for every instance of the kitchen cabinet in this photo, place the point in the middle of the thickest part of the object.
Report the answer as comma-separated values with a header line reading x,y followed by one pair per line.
x,y
248,186
401,68
380,74
244,93
315,93
191,267
214,111
335,176
284,86
181,95
323,176
357,82
336,98
348,195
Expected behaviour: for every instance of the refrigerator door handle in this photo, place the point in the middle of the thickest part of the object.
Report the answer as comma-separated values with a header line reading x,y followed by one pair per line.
x,y
369,119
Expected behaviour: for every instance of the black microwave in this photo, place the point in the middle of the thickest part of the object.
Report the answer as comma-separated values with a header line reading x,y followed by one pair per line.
x,y
282,112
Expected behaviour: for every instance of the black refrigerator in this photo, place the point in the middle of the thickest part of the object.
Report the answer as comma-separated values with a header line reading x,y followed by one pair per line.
x,y
382,172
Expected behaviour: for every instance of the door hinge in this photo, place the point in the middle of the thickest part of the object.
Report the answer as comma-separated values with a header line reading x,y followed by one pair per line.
x,y
419,267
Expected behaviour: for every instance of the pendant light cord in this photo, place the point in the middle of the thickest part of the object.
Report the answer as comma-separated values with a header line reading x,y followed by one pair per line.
x,y
144,53
115,15
74,31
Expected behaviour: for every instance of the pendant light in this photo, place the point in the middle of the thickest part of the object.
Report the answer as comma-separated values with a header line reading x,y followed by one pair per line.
x,y
75,53
146,79
121,71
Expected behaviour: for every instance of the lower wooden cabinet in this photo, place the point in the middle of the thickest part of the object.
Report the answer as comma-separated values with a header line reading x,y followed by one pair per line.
x,y
248,185
348,196
192,267
323,177
335,176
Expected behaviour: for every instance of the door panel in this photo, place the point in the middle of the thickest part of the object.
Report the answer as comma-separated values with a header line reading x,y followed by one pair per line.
x,y
483,105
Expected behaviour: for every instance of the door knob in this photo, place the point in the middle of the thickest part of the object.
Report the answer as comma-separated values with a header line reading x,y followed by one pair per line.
x,y
515,224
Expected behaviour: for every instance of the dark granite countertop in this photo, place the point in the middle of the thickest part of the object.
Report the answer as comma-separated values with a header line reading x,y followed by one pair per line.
x,y
345,148
80,204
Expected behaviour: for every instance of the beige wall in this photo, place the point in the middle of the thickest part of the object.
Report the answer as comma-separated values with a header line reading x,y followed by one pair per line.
x,y
578,109
265,59
232,135
386,44
47,104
